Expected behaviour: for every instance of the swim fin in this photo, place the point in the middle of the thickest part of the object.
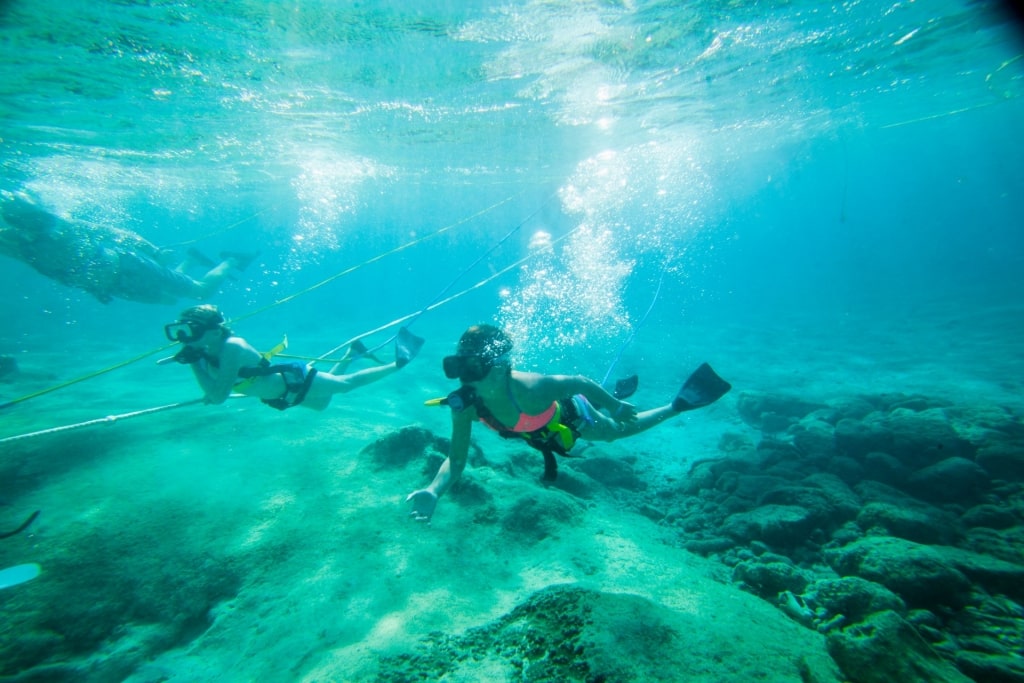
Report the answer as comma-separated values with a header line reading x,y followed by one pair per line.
x,y
199,258
407,345
702,388
20,573
626,387
242,259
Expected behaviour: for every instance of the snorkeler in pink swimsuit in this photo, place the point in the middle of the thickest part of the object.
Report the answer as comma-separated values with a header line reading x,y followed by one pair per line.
x,y
550,412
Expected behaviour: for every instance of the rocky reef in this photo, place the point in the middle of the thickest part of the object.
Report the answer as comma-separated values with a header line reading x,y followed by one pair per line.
x,y
892,524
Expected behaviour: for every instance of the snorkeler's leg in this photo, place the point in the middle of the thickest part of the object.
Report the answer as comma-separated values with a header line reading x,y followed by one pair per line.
x,y
232,261
355,351
214,277
326,385
604,428
702,388
339,384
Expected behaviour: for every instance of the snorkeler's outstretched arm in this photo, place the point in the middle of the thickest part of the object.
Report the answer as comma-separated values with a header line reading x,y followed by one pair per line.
x,y
424,501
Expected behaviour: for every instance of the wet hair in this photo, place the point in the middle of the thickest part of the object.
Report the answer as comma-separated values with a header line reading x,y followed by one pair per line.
x,y
206,316
486,342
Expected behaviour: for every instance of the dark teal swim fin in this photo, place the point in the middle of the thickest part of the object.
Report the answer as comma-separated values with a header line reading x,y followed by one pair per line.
x,y
702,388
242,258
626,387
199,258
407,345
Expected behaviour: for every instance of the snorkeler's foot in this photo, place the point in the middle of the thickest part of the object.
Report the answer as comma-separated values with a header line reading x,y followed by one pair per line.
x,y
357,350
239,259
702,388
407,345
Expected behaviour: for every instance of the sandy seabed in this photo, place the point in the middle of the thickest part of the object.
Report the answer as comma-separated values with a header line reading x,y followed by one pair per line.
x,y
236,543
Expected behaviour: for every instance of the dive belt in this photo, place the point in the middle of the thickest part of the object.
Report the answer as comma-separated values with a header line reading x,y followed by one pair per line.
x,y
297,378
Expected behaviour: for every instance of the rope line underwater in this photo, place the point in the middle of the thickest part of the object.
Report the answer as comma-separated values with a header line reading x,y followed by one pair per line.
x,y
279,302
467,269
109,419
215,233
374,259
632,335
437,304
323,358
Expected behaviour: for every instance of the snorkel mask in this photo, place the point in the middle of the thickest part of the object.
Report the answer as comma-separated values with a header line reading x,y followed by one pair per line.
x,y
481,348
194,323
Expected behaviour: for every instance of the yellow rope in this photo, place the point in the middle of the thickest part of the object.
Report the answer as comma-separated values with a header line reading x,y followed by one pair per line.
x,y
221,231
76,380
442,302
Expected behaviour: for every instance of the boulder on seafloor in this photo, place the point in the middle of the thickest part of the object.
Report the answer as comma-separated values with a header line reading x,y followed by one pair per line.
x,y
749,487
830,500
991,573
571,633
915,572
951,480
854,597
884,648
772,412
916,439
853,407
991,667
399,448
1002,459
574,483
913,521
885,468
815,440
539,515
1005,544
777,525
769,578
991,517
925,575
612,472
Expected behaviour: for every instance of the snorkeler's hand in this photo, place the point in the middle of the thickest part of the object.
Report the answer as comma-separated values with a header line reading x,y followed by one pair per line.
x,y
626,412
188,355
423,504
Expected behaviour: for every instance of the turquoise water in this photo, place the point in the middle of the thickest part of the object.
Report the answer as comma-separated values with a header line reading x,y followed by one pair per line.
x,y
823,201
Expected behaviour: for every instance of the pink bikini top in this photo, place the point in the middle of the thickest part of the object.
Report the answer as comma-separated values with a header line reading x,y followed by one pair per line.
x,y
531,423
526,423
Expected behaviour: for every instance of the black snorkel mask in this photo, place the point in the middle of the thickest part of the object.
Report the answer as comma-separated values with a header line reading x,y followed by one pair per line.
x,y
194,322
466,368
471,368
185,331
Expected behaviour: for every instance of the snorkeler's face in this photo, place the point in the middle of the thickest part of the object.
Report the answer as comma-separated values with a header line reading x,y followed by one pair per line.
x,y
186,332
